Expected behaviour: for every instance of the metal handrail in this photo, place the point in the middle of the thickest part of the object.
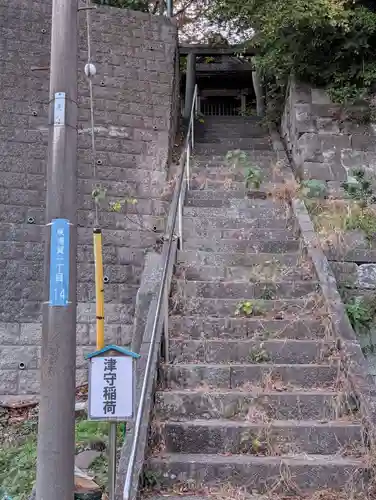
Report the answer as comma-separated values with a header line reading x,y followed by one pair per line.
x,y
176,212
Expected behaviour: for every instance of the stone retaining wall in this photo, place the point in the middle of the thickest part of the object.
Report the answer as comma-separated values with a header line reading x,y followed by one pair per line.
x,y
324,140
327,142
135,113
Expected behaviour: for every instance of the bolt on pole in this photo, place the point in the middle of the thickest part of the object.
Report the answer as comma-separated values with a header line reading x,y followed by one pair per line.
x,y
56,444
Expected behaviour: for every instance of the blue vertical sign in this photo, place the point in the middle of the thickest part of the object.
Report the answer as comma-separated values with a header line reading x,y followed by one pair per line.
x,y
59,263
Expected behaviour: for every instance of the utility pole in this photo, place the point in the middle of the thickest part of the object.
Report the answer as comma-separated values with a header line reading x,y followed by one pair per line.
x,y
56,445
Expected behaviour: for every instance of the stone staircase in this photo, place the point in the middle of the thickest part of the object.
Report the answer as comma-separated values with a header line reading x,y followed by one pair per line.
x,y
252,401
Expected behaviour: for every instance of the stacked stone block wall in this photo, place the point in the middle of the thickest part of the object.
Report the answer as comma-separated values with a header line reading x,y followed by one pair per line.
x,y
135,106
328,142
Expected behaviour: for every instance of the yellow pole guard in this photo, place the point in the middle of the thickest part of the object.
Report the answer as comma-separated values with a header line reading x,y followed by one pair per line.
x,y
99,286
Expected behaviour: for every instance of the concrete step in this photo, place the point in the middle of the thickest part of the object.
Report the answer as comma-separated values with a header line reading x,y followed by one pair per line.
x,y
204,327
220,158
238,290
279,376
249,351
220,170
261,141
223,222
258,439
285,234
216,134
226,145
239,209
210,121
195,258
251,406
264,160
273,272
230,129
225,199
271,185
202,179
259,474
241,246
223,193
233,197
268,309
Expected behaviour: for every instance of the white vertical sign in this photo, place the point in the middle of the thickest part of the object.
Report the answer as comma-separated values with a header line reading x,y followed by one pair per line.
x,y
111,388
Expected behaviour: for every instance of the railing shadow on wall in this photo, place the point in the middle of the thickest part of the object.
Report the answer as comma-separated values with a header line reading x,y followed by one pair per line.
x,y
131,463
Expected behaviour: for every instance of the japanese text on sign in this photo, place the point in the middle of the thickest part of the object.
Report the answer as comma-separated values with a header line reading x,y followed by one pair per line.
x,y
111,388
59,263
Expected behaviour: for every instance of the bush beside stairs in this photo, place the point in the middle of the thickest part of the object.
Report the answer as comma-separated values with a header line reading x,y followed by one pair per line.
x,y
253,403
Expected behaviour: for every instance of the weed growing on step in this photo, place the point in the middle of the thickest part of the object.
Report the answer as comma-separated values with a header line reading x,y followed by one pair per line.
x,y
313,188
259,355
253,178
248,308
254,444
252,174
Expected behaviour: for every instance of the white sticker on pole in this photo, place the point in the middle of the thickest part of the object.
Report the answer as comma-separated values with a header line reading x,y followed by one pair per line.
x,y
111,388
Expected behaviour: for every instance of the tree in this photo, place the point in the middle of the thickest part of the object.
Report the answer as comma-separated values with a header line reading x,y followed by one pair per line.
x,y
324,42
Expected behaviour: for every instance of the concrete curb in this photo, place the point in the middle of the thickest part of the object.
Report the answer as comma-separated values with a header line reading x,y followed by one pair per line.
x,y
354,363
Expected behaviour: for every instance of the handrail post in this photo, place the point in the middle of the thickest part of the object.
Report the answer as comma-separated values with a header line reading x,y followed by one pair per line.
x,y
188,164
180,221
165,327
169,8
193,130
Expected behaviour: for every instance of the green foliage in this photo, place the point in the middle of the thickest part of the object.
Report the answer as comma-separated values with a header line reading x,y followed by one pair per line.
x,y
313,188
17,468
98,194
244,308
18,455
183,64
252,174
117,206
360,188
364,221
328,43
141,5
360,313
259,356
248,308
99,469
91,434
253,177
